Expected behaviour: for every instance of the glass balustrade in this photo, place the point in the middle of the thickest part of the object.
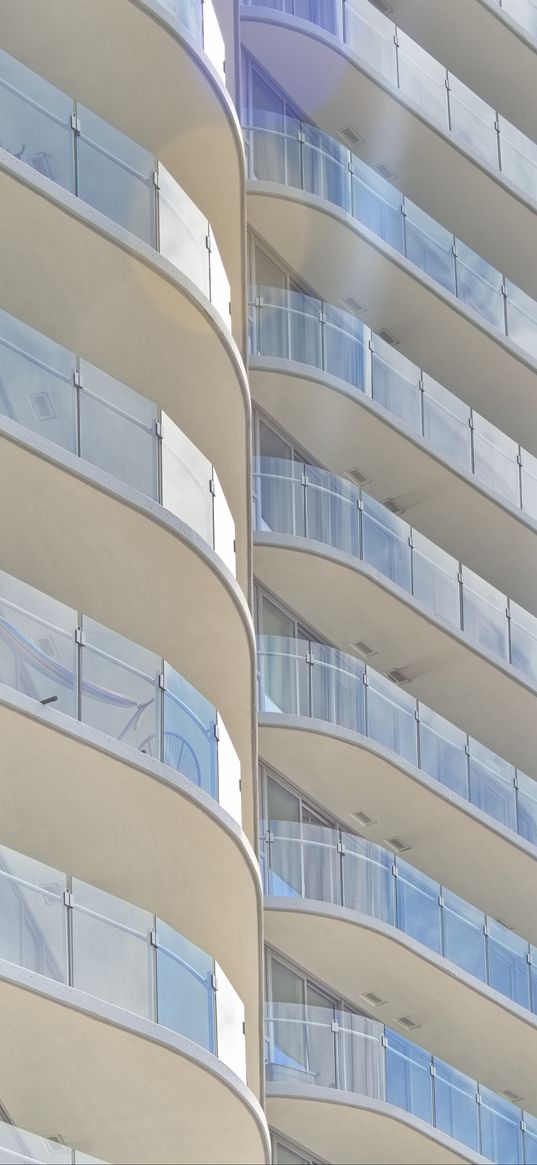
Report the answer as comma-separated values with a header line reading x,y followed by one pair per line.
x,y
73,933
325,864
298,155
200,20
289,325
299,677
331,1048
75,405
69,144
437,93
301,500
76,666
18,1145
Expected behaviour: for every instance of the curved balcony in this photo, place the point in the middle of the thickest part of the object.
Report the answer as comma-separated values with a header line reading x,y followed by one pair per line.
x,y
126,983
375,1078
453,313
407,116
418,446
321,710
385,937
432,624
154,69
498,30
19,1145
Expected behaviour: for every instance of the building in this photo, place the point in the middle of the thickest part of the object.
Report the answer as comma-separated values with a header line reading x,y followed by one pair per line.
x,y
268,625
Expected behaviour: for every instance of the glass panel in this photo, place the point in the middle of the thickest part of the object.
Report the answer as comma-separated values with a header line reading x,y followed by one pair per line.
x,y
189,735
229,773
500,1129
418,910
183,232
119,685
115,175
435,579
117,430
518,156
396,384
524,12
337,688
184,987
346,354
429,246
36,383
188,13
35,122
527,807
492,784
33,925
528,473
186,475
332,514
484,614
287,1054
408,1077
283,1155
523,640
284,675
480,286
391,718
37,645
473,121
111,952
385,542
530,1139
464,939
442,751
279,495
219,282
370,35
325,167
495,459
361,1058
422,79
368,882
456,1110
508,969
446,423
230,1025
19,1145
521,318
376,204
213,41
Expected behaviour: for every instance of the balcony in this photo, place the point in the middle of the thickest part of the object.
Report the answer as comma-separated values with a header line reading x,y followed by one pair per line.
x,y
407,117
498,30
400,771
154,70
124,982
432,624
419,448
387,1094
450,311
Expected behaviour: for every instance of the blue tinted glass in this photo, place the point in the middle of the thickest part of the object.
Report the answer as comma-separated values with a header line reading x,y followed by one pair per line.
x,y
408,1077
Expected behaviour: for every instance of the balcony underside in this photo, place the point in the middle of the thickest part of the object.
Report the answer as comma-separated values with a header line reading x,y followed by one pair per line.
x,y
471,688
338,257
336,89
341,1127
76,799
406,803
460,1019
134,64
94,288
490,35
344,429
83,538
115,1086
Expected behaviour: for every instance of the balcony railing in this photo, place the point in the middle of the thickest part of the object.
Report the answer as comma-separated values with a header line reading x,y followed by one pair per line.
x,y
325,864
524,12
200,20
290,325
69,144
297,154
76,666
301,500
19,1147
329,1048
73,933
61,397
440,97
299,677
